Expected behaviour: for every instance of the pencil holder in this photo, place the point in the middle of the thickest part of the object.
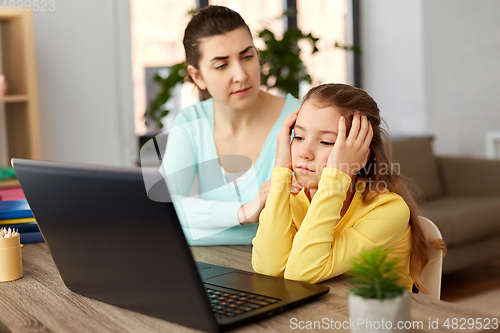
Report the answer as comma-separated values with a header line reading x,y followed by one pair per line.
x,y
11,265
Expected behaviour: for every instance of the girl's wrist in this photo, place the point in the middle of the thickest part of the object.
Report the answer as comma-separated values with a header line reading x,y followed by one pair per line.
x,y
281,164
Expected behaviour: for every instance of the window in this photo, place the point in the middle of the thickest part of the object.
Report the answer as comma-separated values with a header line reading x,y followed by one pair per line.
x,y
325,19
158,28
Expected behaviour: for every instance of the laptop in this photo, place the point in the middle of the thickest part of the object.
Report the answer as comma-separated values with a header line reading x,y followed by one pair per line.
x,y
112,243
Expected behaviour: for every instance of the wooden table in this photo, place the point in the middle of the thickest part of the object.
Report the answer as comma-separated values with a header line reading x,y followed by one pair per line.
x,y
40,302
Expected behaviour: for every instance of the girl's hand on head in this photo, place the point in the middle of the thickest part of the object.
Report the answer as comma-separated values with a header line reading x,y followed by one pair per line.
x,y
350,154
283,155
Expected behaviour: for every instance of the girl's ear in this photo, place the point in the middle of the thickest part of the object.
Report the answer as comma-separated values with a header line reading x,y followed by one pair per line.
x,y
196,76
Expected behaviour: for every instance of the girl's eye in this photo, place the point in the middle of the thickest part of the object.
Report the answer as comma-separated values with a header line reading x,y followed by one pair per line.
x,y
221,66
249,57
298,138
327,143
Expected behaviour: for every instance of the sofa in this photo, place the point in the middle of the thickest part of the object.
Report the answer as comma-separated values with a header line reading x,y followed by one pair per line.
x,y
460,195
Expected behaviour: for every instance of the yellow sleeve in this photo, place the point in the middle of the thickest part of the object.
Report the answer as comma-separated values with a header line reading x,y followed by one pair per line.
x,y
318,254
273,242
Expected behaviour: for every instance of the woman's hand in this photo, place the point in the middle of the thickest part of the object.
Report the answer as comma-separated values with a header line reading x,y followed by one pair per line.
x,y
283,156
250,212
350,154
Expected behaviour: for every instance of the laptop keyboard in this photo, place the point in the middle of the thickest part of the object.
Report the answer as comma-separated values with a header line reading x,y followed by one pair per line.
x,y
230,303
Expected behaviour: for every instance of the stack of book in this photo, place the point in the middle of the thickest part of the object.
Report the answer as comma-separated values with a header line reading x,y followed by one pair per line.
x,y
16,214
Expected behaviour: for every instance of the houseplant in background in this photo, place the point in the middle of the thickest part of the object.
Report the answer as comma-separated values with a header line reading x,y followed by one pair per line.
x,y
282,67
378,302
156,109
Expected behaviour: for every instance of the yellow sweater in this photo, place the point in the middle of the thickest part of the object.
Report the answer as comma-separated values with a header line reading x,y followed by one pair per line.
x,y
300,240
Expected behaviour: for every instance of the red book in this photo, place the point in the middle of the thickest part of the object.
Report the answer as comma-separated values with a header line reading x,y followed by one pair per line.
x,y
13,193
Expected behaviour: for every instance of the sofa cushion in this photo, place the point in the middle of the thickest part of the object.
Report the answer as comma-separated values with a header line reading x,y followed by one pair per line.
x,y
416,160
464,219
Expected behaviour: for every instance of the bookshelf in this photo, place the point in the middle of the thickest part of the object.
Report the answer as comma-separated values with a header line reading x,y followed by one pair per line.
x,y
19,122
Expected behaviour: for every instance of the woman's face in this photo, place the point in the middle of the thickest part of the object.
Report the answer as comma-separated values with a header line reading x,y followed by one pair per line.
x,y
229,69
315,133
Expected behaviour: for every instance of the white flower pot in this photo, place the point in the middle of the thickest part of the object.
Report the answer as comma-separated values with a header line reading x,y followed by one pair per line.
x,y
372,315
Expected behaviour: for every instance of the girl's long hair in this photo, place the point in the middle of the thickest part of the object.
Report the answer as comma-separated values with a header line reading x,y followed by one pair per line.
x,y
348,99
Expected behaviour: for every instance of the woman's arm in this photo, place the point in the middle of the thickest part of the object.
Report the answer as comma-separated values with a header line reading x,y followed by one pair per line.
x,y
320,253
273,242
179,168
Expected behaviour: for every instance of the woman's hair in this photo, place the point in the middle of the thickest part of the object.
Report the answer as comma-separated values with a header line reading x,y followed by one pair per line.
x,y
207,22
348,99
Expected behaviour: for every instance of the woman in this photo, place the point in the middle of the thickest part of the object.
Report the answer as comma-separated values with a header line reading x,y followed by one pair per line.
x,y
227,141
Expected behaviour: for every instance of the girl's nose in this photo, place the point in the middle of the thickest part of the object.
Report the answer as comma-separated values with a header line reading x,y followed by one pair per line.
x,y
306,151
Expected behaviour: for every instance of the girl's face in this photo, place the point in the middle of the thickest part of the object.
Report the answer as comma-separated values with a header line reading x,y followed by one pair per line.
x,y
315,133
229,68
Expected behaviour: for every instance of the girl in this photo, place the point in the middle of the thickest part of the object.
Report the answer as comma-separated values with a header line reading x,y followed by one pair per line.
x,y
227,141
352,199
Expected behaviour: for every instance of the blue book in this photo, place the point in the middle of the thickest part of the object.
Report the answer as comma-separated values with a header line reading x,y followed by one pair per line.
x,y
31,237
14,209
22,227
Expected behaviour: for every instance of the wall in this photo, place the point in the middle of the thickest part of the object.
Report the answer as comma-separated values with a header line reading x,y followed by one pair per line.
x,y
85,82
392,62
434,67
462,55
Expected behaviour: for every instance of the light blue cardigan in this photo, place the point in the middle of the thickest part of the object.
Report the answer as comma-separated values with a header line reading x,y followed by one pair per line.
x,y
210,217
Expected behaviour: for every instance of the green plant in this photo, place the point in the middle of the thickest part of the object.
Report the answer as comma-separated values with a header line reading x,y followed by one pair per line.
x,y
281,64
375,276
353,48
156,109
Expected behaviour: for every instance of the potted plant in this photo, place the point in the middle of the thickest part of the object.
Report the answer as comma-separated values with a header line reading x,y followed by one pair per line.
x,y
378,302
